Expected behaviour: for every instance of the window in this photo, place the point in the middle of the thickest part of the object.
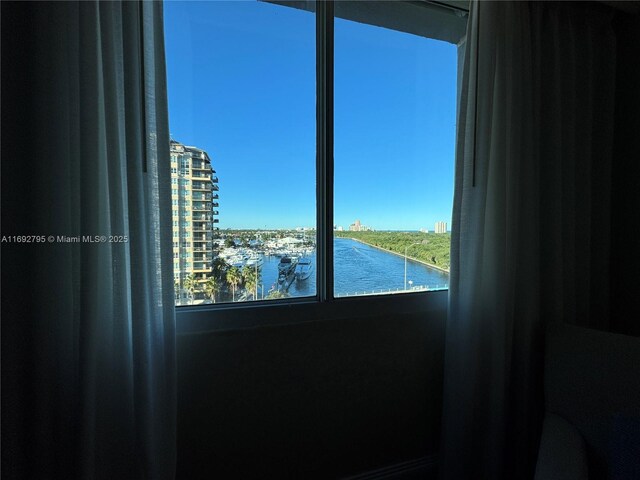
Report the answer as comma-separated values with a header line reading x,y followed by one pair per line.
x,y
395,103
243,132
242,103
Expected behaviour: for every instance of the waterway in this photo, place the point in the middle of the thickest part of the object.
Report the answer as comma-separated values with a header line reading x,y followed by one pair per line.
x,y
359,269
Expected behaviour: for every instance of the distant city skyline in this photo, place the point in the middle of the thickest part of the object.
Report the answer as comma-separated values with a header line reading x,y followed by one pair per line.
x,y
241,81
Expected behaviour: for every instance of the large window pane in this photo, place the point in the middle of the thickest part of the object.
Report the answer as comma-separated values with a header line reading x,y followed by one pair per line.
x,y
395,104
241,84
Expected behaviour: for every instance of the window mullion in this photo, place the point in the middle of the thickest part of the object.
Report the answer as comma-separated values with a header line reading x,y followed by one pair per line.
x,y
324,112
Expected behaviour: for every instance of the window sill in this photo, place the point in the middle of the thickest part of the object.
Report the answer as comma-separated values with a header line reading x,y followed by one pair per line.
x,y
230,317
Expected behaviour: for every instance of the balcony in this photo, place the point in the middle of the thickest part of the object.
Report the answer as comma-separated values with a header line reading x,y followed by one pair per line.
x,y
214,187
202,238
206,187
215,196
215,220
201,268
214,212
215,204
214,179
200,166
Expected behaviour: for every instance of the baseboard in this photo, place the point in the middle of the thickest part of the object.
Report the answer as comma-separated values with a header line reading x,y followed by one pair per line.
x,y
422,468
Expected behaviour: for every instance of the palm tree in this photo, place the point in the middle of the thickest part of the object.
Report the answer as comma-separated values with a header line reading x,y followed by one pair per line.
x,y
250,282
234,277
176,289
251,277
219,267
211,287
191,285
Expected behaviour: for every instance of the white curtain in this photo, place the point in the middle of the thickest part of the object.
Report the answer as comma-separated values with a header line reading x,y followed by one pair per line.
x,y
96,398
530,239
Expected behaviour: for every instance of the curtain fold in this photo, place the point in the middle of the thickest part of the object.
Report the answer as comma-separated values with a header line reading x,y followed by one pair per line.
x,y
97,398
530,221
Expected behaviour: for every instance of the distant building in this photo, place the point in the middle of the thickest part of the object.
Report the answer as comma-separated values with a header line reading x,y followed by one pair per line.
x,y
193,207
424,230
441,227
339,228
358,227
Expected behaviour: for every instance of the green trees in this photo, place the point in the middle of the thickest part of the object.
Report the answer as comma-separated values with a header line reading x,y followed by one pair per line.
x,y
191,286
274,294
176,290
219,268
234,277
251,276
211,288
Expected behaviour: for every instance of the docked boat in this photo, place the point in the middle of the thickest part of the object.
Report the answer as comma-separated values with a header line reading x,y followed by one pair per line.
x,y
286,265
254,260
286,268
303,269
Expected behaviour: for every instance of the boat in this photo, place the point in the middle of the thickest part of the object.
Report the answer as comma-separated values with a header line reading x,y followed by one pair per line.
x,y
254,260
286,265
303,269
286,268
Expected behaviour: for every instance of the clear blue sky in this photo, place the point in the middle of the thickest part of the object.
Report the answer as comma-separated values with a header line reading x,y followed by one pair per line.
x,y
241,79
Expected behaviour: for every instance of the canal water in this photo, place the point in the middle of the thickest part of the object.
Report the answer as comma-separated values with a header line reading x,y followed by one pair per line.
x,y
360,269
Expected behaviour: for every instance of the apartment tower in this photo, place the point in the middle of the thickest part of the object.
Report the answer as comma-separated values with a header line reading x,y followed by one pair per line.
x,y
441,227
194,200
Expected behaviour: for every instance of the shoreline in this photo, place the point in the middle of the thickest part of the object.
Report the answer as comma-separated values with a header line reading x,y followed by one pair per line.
x,y
430,265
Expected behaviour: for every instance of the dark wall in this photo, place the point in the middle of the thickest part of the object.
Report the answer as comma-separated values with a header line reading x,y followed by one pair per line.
x,y
625,201
19,381
315,400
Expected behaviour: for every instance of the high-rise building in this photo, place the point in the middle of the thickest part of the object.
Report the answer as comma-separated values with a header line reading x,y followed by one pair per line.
x,y
194,201
441,227
358,227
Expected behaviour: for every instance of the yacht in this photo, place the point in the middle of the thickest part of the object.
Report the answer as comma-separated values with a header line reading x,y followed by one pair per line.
x,y
286,267
254,259
303,269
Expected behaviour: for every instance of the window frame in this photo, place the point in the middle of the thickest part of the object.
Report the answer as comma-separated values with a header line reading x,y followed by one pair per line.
x,y
324,305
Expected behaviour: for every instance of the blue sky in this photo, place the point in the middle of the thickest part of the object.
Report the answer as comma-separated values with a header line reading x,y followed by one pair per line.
x,y
241,79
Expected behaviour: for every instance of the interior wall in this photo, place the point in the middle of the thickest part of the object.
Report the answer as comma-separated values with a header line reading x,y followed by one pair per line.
x,y
323,399
625,201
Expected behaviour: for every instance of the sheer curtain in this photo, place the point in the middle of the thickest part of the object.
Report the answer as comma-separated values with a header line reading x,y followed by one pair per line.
x,y
530,239
90,324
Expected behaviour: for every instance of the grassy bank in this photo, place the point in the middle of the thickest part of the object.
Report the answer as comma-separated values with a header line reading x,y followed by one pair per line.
x,y
430,248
